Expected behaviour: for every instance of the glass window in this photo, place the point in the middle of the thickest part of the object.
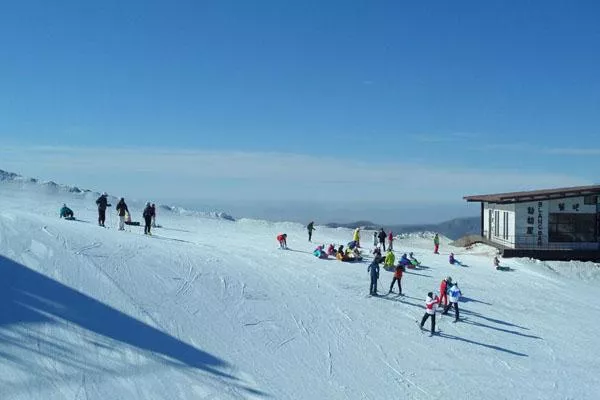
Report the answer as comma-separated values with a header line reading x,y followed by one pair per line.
x,y
589,200
572,228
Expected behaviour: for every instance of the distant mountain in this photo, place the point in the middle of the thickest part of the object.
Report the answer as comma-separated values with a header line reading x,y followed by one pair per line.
x,y
453,229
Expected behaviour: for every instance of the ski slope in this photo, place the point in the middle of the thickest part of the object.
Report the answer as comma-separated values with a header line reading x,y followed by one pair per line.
x,y
209,308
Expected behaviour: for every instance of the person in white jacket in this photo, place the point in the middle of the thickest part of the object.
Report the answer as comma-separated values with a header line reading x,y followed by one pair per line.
x,y
454,294
431,303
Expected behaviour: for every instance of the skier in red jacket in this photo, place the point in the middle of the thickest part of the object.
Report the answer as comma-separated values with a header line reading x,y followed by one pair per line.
x,y
282,239
443,289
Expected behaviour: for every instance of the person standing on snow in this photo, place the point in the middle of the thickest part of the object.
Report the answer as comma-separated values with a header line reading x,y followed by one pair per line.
x,y
382,235
310,227
374,271
153,215
436,244
397,278
122,210
102,203
375,240
147,214
444,290
390,241
454,294
356,237
431,303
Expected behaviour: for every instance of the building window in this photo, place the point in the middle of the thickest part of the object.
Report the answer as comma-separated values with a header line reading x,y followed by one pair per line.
x,y
572,228
497,223
530,230
589,200
505,227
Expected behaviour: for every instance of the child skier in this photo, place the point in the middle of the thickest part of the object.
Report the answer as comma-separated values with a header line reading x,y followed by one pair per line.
x,y
282,239
431,303
397,278
453,295
374,270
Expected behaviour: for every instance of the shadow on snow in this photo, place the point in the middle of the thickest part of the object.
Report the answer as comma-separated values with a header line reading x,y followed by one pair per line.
x,y
28,298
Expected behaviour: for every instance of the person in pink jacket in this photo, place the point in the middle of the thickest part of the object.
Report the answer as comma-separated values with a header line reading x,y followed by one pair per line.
x,y
390,241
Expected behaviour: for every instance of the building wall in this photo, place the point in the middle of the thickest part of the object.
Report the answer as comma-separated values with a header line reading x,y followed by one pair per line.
x,y
534,215
499,223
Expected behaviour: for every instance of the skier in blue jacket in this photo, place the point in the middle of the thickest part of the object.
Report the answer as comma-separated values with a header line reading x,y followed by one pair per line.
x,y
454,294
374,270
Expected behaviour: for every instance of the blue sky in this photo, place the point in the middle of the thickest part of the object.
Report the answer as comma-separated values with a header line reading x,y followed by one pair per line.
x,y
321,102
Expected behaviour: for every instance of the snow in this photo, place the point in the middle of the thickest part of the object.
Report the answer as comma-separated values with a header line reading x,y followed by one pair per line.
x,y
210,308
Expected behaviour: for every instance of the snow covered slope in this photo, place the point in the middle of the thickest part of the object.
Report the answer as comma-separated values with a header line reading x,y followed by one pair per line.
x,y
209,308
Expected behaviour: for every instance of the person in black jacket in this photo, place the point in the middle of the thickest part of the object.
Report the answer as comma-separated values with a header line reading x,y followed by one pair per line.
x,y
147,214
122,210
382,235
102,203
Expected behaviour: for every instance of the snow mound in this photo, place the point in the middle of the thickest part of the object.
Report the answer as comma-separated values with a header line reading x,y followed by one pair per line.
x,y
202,214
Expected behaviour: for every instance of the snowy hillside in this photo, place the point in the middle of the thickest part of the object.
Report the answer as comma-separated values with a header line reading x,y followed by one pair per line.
x,y
210,308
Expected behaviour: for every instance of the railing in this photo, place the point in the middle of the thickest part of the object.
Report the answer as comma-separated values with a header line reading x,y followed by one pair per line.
x,y
534,242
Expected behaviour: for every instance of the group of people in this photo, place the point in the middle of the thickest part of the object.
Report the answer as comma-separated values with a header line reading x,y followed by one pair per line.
x,y
149,213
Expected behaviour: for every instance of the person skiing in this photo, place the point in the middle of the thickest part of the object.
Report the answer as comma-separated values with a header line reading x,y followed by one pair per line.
x,y
436,244
123,211
66,213
382,235
431,303
282,239
454,294
331,250
373,268
413,260
390,258
375,240
404,261
397,278
153,206
319,252
452,260
102,203
147,214
310,227
444,290
390,241
356,237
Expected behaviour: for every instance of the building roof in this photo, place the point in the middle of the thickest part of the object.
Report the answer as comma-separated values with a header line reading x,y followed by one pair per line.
x,y
533,195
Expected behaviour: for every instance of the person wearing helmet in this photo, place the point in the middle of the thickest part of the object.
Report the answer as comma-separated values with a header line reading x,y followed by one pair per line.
x,y
356,237
102,203
147,214
123,211
381,236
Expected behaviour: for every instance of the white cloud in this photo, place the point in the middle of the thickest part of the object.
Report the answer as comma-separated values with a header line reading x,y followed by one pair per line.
x,y
273,177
